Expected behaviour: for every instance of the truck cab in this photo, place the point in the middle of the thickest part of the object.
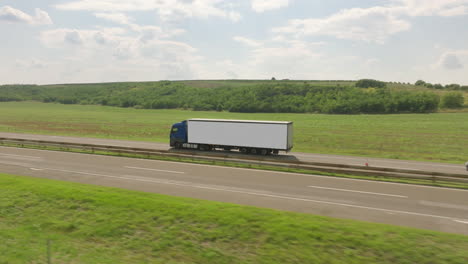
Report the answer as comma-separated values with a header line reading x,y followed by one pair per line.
x,y
178,134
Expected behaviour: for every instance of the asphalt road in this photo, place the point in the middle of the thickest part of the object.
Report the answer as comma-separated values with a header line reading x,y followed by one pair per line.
x,y
433,208
335,159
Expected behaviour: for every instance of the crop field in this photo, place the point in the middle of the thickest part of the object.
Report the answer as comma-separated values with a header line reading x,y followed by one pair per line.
x,y
92,224
437,137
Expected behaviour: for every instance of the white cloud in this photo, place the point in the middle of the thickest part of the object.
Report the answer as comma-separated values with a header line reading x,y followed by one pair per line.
x,y
167,9
247,41
31,63
374,24
11,15
264,5
291,59
118,18
452,60
114,49
433,7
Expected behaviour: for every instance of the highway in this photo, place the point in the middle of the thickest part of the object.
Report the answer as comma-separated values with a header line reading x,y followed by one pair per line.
x,y
308,157
434,208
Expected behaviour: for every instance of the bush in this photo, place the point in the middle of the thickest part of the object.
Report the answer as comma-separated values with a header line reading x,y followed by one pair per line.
x,y
453,86
452,100
419,82
271,97
367,83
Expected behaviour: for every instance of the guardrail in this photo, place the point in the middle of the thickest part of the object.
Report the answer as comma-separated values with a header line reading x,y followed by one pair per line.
x,y
274,161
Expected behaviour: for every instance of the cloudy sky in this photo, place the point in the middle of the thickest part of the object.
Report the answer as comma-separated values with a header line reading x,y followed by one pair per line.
x,y
72,41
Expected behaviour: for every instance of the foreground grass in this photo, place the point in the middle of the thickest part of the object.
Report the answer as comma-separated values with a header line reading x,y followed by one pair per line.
x,y
430,137
91,224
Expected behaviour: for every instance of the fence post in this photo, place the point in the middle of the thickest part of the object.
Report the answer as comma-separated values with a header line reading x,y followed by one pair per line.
x,y
49,261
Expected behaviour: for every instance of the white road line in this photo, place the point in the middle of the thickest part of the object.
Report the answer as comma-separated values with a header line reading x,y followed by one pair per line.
x,y
308,175
459,221
138,168
445,205
345,190
200,186
35,169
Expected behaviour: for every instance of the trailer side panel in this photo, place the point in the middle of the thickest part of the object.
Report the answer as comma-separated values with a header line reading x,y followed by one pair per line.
x,y
269,135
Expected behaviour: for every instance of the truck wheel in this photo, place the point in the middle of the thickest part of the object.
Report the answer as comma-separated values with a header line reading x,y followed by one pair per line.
x,y
205,147
177,145
243,150
253,151
275,152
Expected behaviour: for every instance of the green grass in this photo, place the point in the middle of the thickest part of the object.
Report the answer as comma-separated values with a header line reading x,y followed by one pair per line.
x,y
437,137
91,224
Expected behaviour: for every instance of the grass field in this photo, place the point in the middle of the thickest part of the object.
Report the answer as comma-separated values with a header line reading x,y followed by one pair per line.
x,y
91,224
432,137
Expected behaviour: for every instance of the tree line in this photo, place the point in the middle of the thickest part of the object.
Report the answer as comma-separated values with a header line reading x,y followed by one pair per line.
x,y
438,86
366,96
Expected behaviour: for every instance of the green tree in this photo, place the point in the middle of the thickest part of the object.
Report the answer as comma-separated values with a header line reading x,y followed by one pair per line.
x,y
367,83
419,83
452,100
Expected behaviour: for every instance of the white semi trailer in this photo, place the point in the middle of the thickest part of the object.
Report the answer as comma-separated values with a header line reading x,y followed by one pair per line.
x,y
248,136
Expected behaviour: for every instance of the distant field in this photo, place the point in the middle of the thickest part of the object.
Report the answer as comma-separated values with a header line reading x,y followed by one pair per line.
x,y
439,137
91,224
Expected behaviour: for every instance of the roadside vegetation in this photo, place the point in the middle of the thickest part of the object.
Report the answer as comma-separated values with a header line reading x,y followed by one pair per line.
x,y
92,224
430,137
333,97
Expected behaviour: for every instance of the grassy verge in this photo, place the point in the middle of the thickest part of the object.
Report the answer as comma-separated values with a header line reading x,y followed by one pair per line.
x,y
428,137
91,224
194,159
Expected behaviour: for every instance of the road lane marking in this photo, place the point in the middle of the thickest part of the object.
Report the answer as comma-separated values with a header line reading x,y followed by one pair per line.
x,y
317,176
295,174
345,190
138,168
229,189
36,169
459,221
444,205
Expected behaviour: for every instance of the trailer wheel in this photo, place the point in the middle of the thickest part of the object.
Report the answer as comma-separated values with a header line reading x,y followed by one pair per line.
x,y
275,152
204,147
263,152
243,150
253,151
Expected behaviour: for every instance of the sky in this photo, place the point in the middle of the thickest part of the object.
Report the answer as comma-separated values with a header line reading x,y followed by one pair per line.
x,y
83,41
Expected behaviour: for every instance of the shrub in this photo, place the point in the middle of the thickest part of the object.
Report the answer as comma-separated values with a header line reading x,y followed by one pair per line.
x,y
367,83
452,100
419,82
